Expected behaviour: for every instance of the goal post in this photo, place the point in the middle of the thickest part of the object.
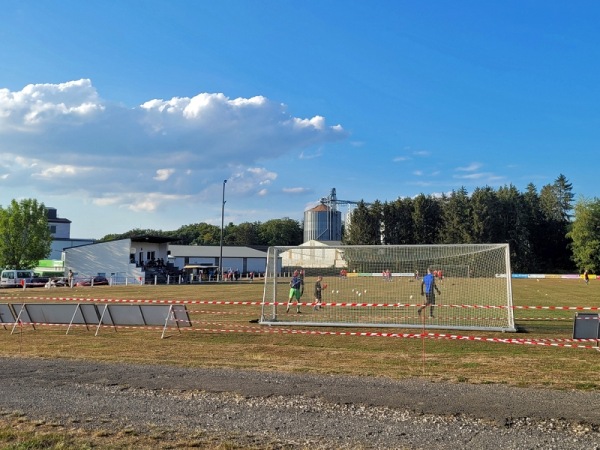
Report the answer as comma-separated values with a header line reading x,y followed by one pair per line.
x,y
380,286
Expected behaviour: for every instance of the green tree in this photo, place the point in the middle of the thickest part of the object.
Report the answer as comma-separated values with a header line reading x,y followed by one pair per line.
x,y
397,222
187,234
364,226
132,233
208,234
513,215
585,235
555,204
25,237
533,213
405,226
246,233
281,232
457,221
427,214
486,216
564,193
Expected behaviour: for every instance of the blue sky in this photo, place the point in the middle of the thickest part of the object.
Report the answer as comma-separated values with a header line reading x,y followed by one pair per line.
x,y
130,114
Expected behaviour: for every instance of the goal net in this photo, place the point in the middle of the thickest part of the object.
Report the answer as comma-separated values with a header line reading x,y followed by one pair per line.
x,y
380,286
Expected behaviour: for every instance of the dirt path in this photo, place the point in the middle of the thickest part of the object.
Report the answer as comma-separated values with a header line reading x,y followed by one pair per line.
x,y
298,411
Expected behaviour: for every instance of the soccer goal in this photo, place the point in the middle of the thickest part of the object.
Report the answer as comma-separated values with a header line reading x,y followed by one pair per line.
x,y
380,286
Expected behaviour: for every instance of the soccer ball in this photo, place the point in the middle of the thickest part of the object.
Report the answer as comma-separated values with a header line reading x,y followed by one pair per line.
x,y
411,297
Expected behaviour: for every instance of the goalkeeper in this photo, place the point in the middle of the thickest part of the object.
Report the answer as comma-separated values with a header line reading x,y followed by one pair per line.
x,y
428,289
296,291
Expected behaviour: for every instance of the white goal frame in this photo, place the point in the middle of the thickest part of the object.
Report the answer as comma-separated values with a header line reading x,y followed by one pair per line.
x,y
380,286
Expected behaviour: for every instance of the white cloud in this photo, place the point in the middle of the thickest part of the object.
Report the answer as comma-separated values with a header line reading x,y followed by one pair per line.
x,y
62,170
249,180
316,122
421,153
473,176
163,174
61,138
487,177
470,168
311,155
106,201
295,190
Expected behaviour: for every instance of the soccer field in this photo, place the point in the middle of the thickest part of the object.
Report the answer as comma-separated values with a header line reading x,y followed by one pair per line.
x,y
222,335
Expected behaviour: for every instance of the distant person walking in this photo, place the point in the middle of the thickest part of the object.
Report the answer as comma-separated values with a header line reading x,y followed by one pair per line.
x,y
428,289
319,292
70,278
586,276
296,290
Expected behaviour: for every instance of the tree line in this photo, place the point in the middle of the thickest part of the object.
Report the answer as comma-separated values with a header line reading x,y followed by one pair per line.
x,y
253,234
546,232
535,225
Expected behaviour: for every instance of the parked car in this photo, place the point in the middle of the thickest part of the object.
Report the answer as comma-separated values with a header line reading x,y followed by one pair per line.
x,y
95,281
15,277
60,281
35,281
56,282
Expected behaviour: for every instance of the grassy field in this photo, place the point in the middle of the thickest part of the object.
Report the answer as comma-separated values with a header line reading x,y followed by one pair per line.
x,y
223,336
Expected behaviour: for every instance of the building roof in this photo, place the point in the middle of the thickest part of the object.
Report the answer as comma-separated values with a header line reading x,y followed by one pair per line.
x,y
315,243
152,239
59,220
320,208
214,251
52,216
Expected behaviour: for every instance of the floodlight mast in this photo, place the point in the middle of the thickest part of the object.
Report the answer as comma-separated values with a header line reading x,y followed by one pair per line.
x,y
222,224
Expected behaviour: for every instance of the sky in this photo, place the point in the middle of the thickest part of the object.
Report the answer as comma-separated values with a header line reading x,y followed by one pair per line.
x,y
127,114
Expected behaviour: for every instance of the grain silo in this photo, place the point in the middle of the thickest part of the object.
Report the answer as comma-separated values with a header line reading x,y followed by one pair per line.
x,y
322,223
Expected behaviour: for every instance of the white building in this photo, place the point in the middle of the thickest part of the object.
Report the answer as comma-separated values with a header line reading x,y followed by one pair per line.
x,y
60,229
130,258
315,254
122,258
242,259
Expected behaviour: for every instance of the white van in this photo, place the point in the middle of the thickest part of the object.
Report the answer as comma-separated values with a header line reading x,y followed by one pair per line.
x,y
13,277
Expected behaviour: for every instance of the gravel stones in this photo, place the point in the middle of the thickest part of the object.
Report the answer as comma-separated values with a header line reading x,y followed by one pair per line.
x,y
279,410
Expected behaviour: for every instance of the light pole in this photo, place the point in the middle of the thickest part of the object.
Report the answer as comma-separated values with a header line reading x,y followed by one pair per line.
x,y
222,223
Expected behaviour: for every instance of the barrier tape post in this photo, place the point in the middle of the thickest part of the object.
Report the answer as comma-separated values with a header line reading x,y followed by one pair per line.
x,y
170,316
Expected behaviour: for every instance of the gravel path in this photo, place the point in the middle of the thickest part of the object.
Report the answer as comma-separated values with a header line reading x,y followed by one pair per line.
x,y
299,411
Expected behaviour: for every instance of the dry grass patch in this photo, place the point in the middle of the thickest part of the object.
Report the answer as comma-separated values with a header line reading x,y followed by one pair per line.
x,y
251,346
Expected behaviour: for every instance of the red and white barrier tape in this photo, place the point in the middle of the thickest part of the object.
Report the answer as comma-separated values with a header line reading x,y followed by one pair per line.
x,y
563,343
332,304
